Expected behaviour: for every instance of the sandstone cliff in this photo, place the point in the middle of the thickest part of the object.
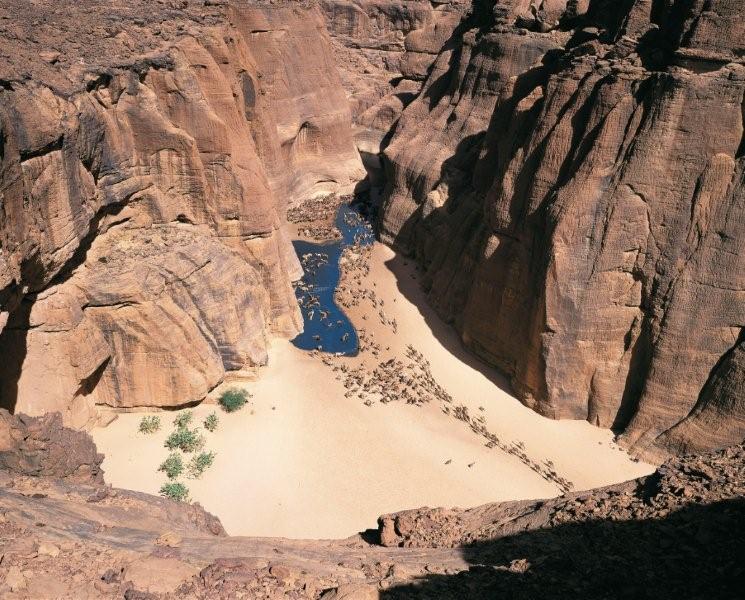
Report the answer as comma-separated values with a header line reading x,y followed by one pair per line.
x,y
384,49
568,173
146,166
578,211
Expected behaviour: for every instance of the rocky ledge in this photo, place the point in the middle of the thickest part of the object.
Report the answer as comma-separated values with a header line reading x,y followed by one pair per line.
x,y
64,533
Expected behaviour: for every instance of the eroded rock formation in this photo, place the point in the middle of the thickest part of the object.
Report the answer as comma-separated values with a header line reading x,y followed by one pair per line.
x,y
146,171
41,447
384,49
578,209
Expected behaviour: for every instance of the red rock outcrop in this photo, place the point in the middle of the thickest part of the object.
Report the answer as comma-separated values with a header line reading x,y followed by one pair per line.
x,y
41,447
146,171
577,210
384,49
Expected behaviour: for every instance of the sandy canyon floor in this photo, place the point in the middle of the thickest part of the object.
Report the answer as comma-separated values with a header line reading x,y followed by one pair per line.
x,y
307,445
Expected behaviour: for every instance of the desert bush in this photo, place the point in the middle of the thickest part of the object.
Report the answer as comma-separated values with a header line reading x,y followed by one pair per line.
x,y
183,419
186,440
233,399
211,422
149,424
172,466
200,463
175,491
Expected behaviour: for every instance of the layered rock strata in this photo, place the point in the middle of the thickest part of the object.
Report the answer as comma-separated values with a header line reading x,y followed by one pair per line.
x,y
384,43
146,172
577,211
384,49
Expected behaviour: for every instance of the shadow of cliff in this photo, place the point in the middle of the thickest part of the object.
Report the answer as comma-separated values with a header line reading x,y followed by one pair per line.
x,y
409,287
440,244
13,349
13,336
447,241
479,21
697,552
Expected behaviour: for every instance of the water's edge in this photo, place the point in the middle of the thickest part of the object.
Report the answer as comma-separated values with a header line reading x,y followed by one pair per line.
x,y
326,326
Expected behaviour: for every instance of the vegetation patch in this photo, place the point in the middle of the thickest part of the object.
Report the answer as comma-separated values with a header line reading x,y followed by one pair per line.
x,y
183,419
211,422
186,440
200,463
175,491
172,466
149,424
234,399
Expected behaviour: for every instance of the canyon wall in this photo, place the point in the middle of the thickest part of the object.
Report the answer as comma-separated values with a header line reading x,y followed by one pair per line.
x,y
569,174
578,210
146,168
384,49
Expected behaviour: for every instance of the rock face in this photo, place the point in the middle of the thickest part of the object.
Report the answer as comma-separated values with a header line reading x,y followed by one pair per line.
x,y
384,49
569,174
578,209
144,182
41,447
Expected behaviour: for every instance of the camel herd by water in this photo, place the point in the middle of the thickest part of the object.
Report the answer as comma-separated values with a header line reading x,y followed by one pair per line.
x,y
394,378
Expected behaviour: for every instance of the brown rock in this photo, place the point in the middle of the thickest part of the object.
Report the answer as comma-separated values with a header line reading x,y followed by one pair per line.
x,y
352,592
158,575
170,539
15,580
48,549
387,530
137,193
577,238
46,586
42,447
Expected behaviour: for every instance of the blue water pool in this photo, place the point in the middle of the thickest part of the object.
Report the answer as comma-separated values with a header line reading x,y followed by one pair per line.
x,y
326,326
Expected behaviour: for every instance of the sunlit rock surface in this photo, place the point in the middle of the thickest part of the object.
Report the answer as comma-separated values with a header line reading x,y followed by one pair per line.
x,y
578,209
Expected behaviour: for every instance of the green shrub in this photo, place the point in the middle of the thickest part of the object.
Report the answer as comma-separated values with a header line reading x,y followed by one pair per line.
x,y
186,440
200,463
210,423
172,466
182,420
233,399
149,424
175,491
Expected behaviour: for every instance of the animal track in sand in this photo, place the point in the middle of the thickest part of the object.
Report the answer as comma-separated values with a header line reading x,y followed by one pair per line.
x,y
408,378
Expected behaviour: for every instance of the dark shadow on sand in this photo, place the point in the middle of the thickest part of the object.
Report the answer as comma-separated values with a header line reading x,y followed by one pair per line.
x,y
410,288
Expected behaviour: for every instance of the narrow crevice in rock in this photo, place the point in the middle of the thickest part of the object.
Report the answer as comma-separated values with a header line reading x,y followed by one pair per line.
x,y
13,349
